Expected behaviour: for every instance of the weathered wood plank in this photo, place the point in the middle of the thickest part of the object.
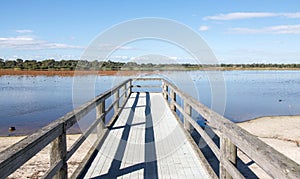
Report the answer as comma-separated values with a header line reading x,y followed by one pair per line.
x,y
58,153
82,138
173,100
53,169
116,100
92,152
229,152
146,86
187,110
203,134
19,153
270,160
16,155
147,143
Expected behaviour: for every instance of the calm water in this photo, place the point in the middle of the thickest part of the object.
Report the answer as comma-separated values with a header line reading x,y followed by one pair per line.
x,y
30,102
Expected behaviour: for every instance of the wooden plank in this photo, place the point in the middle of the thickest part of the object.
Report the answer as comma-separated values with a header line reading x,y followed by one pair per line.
x,y
146,79
187,110
270,160
58,153
173,100
168,141
92,152
100,115
208,140
232,170
19,153
53,169
16,155
116,100
215,149
97,123
146,86
229,152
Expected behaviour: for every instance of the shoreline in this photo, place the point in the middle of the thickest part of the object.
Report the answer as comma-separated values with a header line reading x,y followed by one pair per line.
x,y
14,72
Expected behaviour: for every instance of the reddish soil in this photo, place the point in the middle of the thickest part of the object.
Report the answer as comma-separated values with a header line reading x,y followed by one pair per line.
x,y
72,73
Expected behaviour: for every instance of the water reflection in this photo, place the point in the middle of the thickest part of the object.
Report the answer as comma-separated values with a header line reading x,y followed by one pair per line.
x,y
30,102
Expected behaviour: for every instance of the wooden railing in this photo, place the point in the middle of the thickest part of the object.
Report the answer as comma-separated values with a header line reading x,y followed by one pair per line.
x,y
232,137
55,133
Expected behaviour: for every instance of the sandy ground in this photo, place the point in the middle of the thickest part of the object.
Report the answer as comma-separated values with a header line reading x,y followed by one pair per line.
x,y
280,132
39,164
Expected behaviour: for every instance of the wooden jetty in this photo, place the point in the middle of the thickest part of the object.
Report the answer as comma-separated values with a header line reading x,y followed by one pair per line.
x,y
150,135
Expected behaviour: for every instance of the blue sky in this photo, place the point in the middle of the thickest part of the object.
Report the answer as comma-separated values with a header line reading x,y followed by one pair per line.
x,y
244,31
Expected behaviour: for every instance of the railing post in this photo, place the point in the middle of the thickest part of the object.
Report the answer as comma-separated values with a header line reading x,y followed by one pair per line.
x,y
130,87
228,151
188,110
100,110
173,100
116,98
165,90
125,93
125,90
58,152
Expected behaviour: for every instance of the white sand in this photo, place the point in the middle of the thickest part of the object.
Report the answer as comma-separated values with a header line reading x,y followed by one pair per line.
x,y
39,164
280,132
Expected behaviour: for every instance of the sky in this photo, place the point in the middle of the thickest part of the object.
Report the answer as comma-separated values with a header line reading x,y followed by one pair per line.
x,y
237,31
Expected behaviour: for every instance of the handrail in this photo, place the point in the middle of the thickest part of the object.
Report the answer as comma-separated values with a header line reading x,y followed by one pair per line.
x,y
232,137
16,155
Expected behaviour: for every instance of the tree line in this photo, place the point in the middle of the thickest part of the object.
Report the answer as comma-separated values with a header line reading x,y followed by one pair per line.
x,y
51,64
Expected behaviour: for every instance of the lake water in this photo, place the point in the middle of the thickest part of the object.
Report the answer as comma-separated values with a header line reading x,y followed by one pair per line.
x,y
31,102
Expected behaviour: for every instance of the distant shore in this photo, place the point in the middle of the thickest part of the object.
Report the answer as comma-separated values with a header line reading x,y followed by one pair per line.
x,y
119,72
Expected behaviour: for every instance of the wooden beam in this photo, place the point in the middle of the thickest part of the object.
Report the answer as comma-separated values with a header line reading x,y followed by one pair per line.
x,y
188,111
173,100
270,160
228,152
100,111
58,153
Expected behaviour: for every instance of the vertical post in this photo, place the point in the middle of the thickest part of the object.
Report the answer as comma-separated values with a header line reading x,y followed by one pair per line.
x,y
100,110
173,100
228,151
125,94
165,90
125,91
188,110
117,100
58,152
130,87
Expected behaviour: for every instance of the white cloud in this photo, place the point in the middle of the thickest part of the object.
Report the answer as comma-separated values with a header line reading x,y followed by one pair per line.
x,y
204,28
24,31
249,15
281,29
30,43
291,15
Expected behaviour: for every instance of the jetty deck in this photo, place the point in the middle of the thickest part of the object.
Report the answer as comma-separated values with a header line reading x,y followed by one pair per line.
x,y
146,141
146,133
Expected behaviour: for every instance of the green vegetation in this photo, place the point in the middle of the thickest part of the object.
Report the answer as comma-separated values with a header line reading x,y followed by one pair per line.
x,y
70,65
